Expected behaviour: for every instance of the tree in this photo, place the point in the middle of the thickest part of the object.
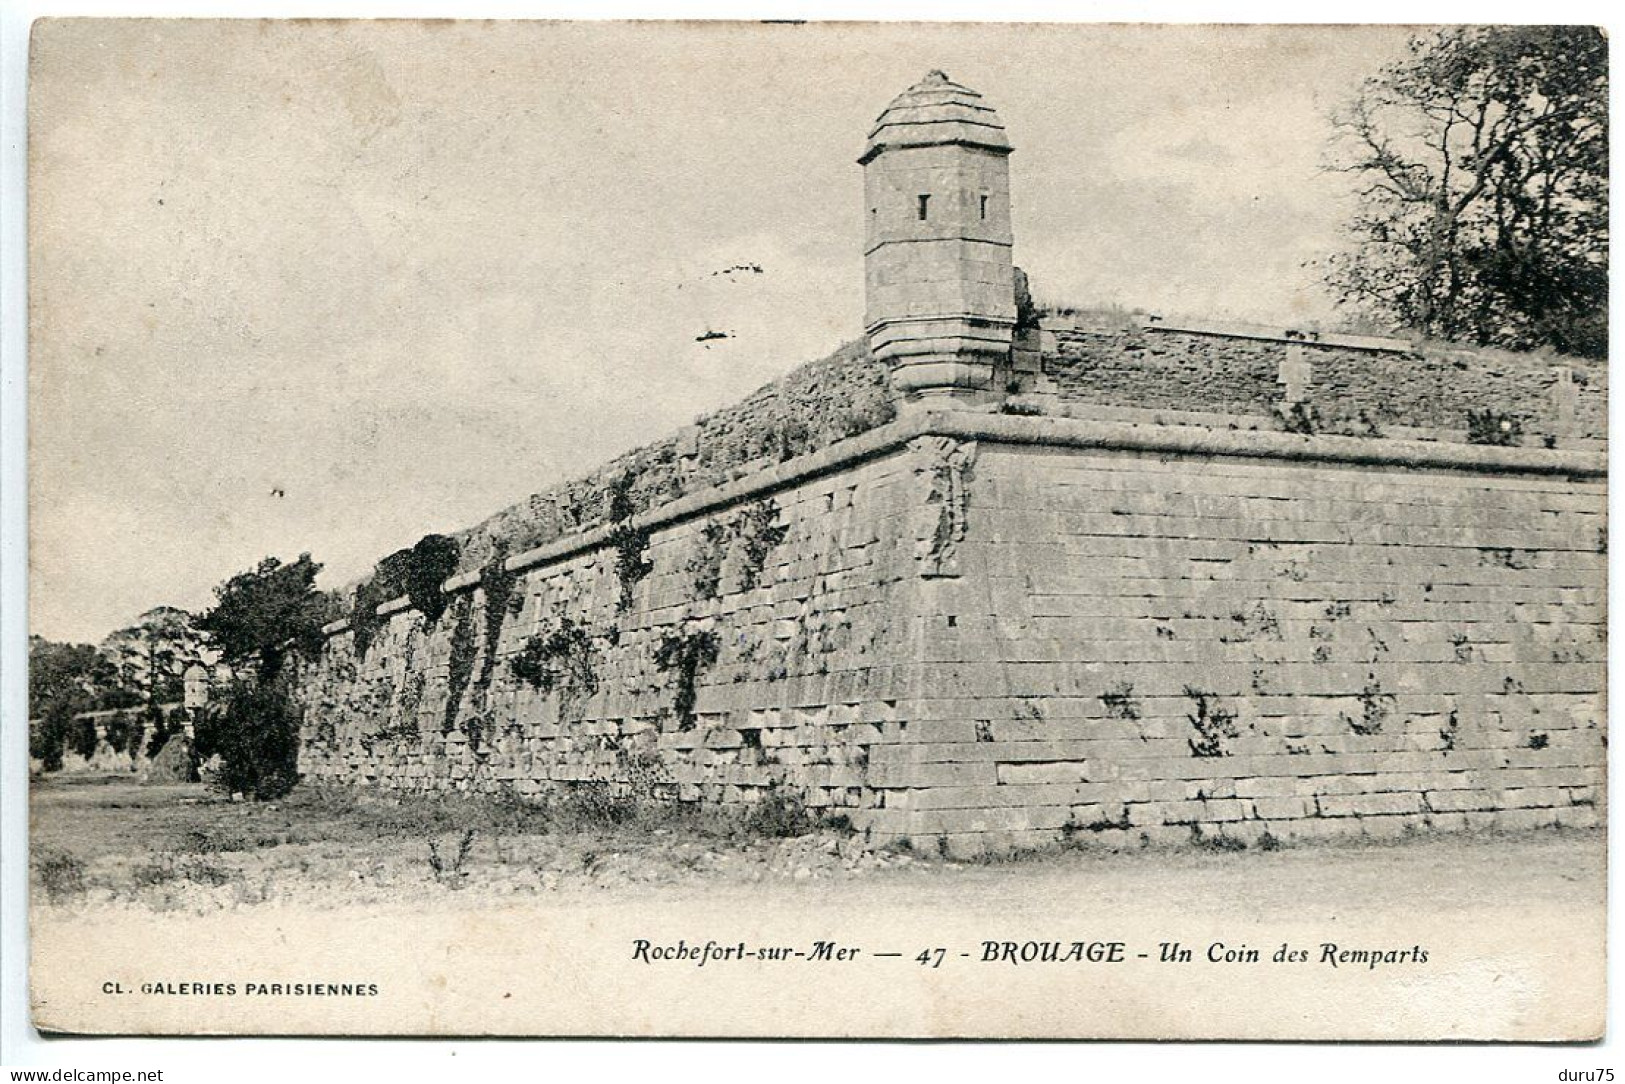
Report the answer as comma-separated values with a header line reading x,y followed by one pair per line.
x,y
262,614
152,655
255,733
63,681
1481,169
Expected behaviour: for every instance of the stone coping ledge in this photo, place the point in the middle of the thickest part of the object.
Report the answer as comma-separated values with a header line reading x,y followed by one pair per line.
x,y
108,713
1056,432
1372,343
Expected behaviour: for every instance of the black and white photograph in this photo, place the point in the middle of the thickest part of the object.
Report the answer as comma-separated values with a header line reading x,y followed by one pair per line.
x,y
827,530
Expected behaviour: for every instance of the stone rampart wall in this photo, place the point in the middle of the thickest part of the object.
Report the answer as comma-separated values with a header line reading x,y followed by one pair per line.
x,y
773,601
977,631
1165,646
1355,385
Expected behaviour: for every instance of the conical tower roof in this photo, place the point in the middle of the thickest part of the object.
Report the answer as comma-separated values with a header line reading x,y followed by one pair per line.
x,y
933,111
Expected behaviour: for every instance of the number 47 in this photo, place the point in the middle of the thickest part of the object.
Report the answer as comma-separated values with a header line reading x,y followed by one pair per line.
x,y
931,957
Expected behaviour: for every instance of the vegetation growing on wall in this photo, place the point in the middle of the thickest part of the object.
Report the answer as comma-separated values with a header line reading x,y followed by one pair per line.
x,y
460,666
755,533
496,584
419,573
429,564
1119,701
1299,417
630,543
705,564
365,621
686,654
562,660
1213,724
1375,706
758,534
1493,427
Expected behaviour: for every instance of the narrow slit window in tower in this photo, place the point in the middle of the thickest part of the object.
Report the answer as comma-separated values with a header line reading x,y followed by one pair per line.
x,y
925,202
984,206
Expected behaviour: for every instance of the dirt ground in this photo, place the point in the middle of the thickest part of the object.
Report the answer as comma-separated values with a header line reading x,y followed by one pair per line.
x,y
104,840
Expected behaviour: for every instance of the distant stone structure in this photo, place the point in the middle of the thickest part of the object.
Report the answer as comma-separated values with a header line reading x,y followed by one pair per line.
x,y
981,586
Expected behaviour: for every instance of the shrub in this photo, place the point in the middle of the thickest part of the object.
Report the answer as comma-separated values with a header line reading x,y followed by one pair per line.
x,y
169,867
256,735
197,841
793,438
592,804
449,868
1220,843
778,815
61,874
1021,408
1492,427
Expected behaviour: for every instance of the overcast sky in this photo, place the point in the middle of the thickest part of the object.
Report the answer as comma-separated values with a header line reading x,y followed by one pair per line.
x,y
332,286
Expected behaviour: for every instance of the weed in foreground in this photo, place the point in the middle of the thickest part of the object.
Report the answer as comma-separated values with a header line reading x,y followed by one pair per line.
x,y
448,868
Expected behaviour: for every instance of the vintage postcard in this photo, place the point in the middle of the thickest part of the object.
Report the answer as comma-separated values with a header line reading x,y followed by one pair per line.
x,y
834,530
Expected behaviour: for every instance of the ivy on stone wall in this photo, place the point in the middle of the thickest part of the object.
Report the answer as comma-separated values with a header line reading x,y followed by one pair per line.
x,y
705,565
630,543
364,618
419,573
496,584
686,654
759,534
755,532
422,578
564,660
1213,723
460,666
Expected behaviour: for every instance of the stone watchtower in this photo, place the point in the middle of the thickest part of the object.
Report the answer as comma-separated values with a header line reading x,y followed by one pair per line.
x,y
940,284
